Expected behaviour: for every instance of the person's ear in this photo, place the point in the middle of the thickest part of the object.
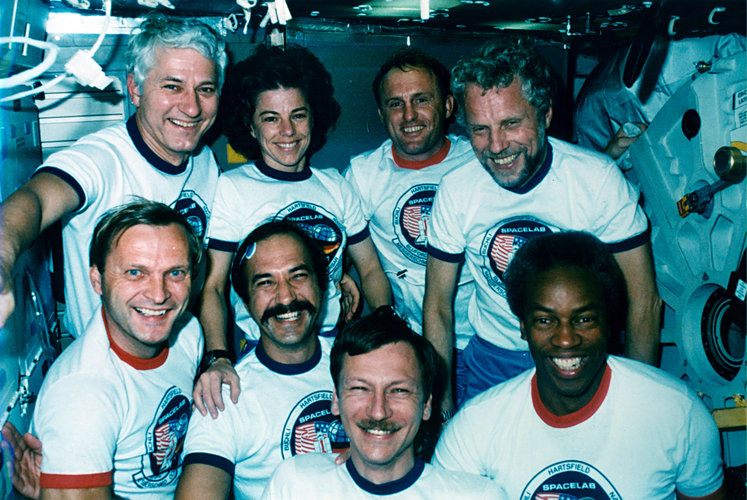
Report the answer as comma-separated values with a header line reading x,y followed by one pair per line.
x,y
428,408
95,276
133,90
449,105
523,332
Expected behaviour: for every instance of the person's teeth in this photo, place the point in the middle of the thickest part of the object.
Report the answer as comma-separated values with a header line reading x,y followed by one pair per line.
x,y
184,124
567,363
505,160
413,129
150,312
289,316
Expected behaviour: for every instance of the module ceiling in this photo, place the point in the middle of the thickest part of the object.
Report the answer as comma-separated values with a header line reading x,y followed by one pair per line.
x,y
564,18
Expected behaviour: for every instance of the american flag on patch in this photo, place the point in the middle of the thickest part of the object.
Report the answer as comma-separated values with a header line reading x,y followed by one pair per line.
x,y
554,496
411,217
166,444
308,437
503,248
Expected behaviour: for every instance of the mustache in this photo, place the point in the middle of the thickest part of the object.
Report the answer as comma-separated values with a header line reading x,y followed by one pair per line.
x,y
377,425
293,306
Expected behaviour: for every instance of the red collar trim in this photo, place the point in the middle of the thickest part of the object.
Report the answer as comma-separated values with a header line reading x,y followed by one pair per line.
x,y
577,416
134,361
417,165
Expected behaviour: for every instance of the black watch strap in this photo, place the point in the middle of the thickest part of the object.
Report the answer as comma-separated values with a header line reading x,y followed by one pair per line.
x,y
210,357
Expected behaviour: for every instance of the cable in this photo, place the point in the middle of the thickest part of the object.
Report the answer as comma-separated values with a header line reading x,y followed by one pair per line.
x,y
80,66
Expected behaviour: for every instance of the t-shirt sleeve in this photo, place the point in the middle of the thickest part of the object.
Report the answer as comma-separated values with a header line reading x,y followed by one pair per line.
x,y
455,449
356,225
445,233
701,471
224,224
351,175
77,421
620,223
215,441
83,167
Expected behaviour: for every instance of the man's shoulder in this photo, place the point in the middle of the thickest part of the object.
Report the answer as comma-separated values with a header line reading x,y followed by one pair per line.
x,y
642,379
497,397
372,157
574,156
436,479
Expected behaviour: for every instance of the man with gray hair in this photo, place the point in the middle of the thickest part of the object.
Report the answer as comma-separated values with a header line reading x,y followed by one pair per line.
x,y
175,72
521,185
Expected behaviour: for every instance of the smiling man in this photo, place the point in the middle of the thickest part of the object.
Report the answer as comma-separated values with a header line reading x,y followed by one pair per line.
x,y
280,274
523,184
175,72
113,409
397,182
384,378
583,424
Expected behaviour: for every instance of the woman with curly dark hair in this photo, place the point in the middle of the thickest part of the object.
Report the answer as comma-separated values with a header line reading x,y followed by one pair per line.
x,y
277,109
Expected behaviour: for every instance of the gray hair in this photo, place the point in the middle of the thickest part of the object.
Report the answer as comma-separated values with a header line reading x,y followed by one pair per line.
x,y
496,65
158,30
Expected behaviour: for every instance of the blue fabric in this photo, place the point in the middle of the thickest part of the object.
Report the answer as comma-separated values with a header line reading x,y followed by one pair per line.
x,y
487,365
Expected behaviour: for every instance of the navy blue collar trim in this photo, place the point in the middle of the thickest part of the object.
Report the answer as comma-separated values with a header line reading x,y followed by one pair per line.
x,y
282,175
148,154
288,369
538,175
391,487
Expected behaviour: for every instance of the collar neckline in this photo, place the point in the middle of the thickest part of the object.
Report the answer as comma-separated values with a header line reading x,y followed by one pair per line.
x,y
391,487
578,416
134,361
540,174
285,368
152,158
282,175
420,164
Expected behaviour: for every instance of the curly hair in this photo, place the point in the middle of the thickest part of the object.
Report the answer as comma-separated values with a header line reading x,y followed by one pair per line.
x,y
497,64
574,249
270,68
411,57
158,30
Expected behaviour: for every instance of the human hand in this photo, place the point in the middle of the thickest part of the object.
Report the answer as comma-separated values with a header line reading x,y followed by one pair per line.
x,y
27,450
207,395
623,138
351,296
7,299
342,457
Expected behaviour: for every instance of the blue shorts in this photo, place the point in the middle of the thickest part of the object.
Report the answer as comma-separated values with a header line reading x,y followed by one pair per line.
x,y
486,365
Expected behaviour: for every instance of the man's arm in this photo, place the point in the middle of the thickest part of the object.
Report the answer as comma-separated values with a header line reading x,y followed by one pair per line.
x,y
644,305
213,313
199,481
438,314
26,213
375,285
103,493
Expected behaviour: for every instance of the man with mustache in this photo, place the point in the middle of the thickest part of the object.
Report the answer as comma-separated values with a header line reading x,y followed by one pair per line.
x,y
114,408
280,274
521,185
384,376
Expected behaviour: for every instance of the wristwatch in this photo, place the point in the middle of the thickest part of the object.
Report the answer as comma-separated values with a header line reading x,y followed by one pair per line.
x,y
210,357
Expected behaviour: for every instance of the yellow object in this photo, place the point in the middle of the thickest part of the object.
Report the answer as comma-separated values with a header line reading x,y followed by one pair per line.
x,y
732,418
234,156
